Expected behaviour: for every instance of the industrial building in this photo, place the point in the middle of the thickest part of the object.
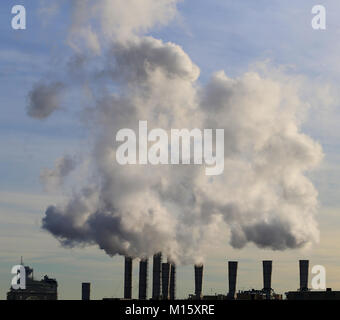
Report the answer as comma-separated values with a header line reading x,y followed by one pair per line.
x,y
164,283
327,294
303,293
267,293
45,289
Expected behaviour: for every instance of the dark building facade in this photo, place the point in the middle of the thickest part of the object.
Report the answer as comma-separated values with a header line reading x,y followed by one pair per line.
x,y
44,289
328,294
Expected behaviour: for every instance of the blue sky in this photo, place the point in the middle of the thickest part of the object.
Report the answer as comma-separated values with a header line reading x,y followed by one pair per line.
x,y
217,34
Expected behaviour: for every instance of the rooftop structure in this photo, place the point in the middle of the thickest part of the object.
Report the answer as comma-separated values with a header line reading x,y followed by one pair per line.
x,y
44,289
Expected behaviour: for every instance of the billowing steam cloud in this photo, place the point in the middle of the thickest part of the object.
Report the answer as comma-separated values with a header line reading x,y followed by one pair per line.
x,y
117,19
263,196
53,178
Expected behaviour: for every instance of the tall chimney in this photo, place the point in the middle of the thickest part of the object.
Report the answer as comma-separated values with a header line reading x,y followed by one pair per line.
x,y
198,281
267,275
166,269
128,278
173,282
85,291
156,280
232,275
304,264
143,279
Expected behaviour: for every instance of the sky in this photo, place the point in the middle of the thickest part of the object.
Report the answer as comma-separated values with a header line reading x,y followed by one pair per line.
x,y
217,35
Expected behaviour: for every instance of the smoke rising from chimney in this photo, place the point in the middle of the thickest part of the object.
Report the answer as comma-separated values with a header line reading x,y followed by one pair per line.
x,y
264,195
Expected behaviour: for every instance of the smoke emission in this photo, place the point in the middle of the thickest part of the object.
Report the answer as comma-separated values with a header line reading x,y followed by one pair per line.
x,y
54,178
263,197
44,99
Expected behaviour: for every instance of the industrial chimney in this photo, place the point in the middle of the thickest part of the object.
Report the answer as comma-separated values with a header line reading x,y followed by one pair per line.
x,y
173,282
267,277
198,281
304,264
232,274
156,280
143,279
128,278
166,269
85,291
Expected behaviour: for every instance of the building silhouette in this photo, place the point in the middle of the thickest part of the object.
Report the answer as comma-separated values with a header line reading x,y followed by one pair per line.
x,y
44,289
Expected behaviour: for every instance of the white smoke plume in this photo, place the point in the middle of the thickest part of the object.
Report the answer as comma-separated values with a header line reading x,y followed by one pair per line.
x,y
53,179
118,20
264,195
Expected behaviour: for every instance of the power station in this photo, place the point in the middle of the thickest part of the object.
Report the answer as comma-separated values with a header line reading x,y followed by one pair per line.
x,y
164,283
304,293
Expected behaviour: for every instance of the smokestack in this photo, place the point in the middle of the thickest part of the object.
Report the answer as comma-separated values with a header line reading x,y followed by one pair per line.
x,y
156,280
173,282
128,278
198,281
85,291
143,279
232,275
267,275
304,264
166,269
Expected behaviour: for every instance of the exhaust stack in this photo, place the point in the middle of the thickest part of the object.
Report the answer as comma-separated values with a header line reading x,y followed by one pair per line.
x,y
172,281
128,278
85,290
232,274
156,280
166,269
198,281
304,265
143,279
267,276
